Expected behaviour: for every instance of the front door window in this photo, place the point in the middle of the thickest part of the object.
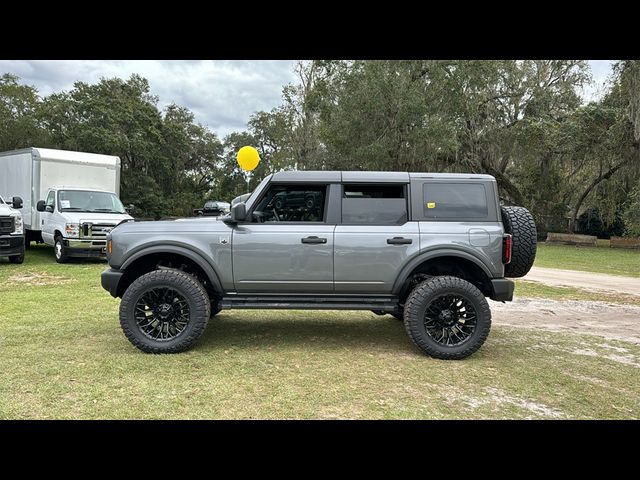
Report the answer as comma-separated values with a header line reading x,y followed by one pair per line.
x,y
291,203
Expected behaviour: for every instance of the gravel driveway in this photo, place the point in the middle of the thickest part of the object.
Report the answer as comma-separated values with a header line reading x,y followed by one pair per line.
x,y
585,280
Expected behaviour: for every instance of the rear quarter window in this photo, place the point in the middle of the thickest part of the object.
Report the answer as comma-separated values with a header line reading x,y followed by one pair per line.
x,y
454,201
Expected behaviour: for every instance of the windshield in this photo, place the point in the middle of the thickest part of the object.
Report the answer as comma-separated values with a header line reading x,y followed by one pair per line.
x,y
89,201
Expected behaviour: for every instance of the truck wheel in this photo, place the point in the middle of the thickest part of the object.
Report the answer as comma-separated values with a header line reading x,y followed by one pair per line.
x,y
518,221
60,251
17,259
164,311
447,317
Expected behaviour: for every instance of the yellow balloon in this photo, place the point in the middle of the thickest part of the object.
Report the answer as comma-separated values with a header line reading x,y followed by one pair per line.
x,y
248,158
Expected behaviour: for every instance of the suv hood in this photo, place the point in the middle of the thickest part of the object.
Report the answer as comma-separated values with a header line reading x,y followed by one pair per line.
x,y
80,217
180,225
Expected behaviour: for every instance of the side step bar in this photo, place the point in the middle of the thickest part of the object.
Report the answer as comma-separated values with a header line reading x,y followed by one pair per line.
x,y
385,303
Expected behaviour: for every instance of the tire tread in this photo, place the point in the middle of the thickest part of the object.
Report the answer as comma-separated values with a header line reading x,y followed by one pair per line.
x,y
200,314
519,222
413,320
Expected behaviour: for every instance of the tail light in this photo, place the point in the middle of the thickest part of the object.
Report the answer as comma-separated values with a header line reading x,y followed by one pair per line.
x,y
507,241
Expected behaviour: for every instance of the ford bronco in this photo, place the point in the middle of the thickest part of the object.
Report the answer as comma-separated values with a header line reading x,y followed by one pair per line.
x,y
426,248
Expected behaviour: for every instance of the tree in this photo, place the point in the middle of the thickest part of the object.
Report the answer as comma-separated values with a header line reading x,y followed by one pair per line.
x,y
19,124
168,161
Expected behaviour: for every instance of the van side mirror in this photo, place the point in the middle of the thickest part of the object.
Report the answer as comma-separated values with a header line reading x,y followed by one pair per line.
x,y
40,206
17,202
130,208
239,212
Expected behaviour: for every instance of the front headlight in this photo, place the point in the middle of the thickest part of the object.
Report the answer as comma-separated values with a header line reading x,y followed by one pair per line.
x,y
18,225
72,229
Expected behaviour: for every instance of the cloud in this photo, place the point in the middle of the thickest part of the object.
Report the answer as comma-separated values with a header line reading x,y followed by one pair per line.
x,y
221,93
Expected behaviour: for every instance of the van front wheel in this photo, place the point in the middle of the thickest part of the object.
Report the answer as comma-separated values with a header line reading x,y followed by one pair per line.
x,y
60,250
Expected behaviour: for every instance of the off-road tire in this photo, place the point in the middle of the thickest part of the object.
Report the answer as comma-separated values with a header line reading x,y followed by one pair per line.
x,y
189,287
63,257
518,221
414,314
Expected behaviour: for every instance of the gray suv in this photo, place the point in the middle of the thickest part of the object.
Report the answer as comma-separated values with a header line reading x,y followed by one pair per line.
x,y
426,248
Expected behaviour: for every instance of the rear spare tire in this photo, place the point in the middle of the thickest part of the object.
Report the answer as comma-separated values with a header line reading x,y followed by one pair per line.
x,y
518,221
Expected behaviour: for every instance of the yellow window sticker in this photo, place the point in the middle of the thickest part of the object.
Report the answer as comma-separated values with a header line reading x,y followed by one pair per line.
x,y
431,205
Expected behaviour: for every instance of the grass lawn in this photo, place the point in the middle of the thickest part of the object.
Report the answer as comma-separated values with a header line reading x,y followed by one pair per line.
x,y
601,259
64,356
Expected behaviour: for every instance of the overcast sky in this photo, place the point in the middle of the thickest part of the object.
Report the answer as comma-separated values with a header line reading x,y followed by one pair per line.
x,y
221,93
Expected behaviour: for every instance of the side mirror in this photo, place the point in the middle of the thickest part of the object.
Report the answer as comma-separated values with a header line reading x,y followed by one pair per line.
x,y
17,202
40,206
239,212
130,208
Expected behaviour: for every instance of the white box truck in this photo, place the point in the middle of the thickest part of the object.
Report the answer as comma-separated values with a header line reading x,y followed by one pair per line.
x,y
70,198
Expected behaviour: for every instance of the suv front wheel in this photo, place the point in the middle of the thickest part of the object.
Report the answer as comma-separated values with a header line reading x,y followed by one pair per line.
x,y
447,317
164,311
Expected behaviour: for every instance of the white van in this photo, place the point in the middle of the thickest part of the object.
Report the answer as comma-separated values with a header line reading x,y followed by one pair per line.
x,y
70,198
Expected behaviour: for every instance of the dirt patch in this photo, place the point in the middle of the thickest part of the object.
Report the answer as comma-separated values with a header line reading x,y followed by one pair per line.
x,y
595,282
619,322
625,359
38,279
497,397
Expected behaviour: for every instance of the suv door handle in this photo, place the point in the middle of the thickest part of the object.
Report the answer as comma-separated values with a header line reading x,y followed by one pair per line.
x,y
313,239
399,241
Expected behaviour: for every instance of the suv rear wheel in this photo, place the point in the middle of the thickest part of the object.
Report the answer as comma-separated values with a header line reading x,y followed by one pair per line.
x,y
447,317
164,311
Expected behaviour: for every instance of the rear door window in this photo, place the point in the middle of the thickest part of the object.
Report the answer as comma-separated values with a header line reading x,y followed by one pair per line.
x,y
455,201
374,204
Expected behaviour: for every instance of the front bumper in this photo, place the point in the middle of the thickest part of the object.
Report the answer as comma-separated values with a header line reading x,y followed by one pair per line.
x,y
11,245
502,289
85,248
110,279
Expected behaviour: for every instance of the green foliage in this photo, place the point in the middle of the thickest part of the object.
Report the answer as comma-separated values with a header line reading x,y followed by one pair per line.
x,y
520,121
169,163
632,213
19,124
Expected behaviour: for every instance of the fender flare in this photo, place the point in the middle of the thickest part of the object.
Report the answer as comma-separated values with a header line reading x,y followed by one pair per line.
x,y
185,252
425,256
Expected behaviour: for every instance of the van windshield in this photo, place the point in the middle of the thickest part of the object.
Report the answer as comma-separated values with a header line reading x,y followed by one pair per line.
x,y
89,201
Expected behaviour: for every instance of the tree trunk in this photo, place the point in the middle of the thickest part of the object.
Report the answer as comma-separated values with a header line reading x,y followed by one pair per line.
x,y
592,185
504,183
